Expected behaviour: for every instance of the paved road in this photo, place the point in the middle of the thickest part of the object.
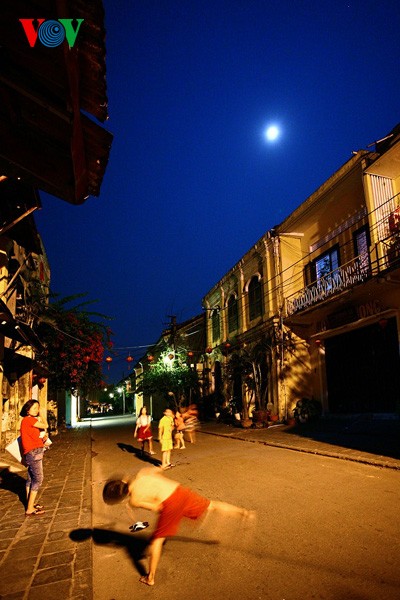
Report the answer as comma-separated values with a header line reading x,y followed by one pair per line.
x,y
326,528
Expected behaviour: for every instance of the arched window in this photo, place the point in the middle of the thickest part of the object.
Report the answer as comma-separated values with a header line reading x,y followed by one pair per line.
x,y
255,298
233,314
215,323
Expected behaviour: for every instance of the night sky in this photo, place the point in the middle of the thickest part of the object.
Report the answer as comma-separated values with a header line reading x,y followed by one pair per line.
x,y
192,182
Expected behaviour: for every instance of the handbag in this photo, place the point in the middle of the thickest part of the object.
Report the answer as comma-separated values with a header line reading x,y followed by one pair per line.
x,y
15,449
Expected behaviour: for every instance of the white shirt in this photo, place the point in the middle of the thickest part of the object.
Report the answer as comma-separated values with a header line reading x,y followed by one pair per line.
x,y
143,420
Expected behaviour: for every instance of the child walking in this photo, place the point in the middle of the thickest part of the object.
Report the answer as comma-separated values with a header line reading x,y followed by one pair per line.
x,y
143,430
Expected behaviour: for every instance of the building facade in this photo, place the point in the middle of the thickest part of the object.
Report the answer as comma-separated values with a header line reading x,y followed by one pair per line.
x,y
24,277
343,299
315,302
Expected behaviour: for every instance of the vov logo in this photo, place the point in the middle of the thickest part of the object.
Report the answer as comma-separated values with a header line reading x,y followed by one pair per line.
x,y
51,33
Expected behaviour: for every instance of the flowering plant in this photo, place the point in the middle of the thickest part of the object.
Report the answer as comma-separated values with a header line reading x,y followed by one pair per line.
x,y
74,347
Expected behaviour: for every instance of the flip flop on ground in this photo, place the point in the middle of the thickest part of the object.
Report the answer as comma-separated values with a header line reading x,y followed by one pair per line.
x,y
35,513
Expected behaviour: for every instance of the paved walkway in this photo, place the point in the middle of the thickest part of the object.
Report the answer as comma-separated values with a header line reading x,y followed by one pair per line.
x,y
38,558
42,557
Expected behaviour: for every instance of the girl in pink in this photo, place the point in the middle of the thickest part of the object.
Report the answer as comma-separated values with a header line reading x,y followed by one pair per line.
x,y
143,429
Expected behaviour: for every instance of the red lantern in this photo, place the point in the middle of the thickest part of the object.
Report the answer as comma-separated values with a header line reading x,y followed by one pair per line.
x,y
227,345
108,361
190,354
129,359
383,323
150,358
209,350
42,380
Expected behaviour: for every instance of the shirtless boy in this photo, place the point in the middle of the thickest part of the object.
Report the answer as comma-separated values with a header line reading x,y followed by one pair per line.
x,y
153,491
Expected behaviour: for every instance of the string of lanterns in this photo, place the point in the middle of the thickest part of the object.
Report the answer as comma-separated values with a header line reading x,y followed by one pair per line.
x,y
129,359
150,358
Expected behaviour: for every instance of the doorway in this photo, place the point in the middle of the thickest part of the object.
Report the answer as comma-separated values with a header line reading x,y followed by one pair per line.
x,y
363,369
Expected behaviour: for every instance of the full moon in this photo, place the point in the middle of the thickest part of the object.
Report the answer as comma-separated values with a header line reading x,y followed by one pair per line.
x,y
272,133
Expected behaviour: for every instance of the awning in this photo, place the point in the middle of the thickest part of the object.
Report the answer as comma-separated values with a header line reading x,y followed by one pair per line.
x,y
20,364
17,330
46,137
28,336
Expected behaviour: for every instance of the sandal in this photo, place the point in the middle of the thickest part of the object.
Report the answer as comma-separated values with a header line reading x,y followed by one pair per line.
x,y
36,512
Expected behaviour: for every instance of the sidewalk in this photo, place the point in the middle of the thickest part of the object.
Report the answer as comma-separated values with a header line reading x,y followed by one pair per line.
x,y
40,557
363,439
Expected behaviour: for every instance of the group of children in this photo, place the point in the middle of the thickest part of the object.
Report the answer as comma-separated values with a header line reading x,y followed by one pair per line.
x,y
170,422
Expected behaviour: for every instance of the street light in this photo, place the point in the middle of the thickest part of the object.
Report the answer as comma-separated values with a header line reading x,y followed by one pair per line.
x,y
121,390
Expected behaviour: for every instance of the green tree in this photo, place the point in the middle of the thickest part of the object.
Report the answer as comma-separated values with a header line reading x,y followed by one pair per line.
x,y
171,377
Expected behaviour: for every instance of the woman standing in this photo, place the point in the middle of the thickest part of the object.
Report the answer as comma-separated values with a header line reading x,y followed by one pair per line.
x,y
32,424
143,429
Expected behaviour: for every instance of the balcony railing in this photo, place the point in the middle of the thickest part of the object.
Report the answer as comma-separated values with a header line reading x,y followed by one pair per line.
x,y
345,277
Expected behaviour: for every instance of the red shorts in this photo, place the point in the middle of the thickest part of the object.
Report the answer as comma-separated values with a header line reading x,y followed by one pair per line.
x,y
181,503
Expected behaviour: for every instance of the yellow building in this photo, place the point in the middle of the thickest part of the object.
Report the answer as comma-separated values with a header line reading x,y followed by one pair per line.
x,y
242,334
341,284
315,302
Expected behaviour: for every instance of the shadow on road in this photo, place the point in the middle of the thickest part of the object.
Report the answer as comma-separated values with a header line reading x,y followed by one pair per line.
x,y
13,483
143,456
134,546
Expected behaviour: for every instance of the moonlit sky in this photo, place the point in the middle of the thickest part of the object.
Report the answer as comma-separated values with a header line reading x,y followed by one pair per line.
x,y
192,182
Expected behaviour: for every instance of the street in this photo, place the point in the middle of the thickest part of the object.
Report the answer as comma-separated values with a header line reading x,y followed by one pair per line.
x,y
325,528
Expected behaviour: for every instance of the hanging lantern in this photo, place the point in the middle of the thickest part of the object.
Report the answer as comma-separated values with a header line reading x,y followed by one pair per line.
x,y
42,380
129,360
383,323
108,361
209,350
227,345
150,358
190,354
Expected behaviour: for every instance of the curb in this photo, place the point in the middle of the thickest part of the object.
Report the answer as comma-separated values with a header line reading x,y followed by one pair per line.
x,y
358,459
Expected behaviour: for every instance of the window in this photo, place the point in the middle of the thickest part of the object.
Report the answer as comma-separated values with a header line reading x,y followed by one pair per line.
x,y
233,314
215,323
255,298
326,264
322,267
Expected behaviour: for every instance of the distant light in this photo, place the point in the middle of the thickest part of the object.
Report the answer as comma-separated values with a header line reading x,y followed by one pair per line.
x,y
272,133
